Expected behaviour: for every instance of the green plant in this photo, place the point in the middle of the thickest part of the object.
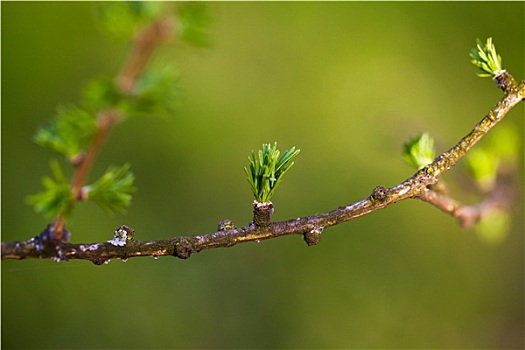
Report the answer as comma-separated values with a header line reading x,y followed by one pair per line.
x,y
113,191
499,151
56,197
485,57
419,151
267,169
142,88
78,133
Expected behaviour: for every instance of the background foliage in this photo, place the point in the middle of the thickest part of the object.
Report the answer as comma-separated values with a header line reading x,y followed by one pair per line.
x,y
347,83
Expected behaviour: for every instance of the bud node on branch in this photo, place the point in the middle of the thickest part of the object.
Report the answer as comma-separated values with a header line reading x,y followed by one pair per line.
x,y
183,249
262,213
379,194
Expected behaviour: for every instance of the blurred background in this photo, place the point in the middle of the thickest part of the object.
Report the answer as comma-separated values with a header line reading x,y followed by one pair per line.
x,y
347,83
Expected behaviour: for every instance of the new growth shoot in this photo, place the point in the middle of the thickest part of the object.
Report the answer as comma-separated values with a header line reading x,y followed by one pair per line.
x,y
419,151
267,169
486,58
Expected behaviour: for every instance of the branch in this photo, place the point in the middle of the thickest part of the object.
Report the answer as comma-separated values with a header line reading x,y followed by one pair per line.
x,y
144,46
145,43
418,186
500,198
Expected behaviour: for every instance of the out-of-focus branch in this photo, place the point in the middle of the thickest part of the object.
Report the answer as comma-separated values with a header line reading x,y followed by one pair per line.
x,y
145,43
501,197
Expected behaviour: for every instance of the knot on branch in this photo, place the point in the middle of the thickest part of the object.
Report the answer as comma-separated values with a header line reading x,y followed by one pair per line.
x,y
262,212
123,235
46,243
183,249
313,236
379,194
226,225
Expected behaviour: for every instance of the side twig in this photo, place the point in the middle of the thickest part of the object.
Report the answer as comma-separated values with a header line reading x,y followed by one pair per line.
x,y
145,43
500,198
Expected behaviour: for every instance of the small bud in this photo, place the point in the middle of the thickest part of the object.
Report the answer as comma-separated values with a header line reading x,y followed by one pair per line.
x,y
379,194
226,225
123,235
313,237
183,249
419,151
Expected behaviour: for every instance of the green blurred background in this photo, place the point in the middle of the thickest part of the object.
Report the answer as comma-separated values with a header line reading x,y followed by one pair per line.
x,y
347,83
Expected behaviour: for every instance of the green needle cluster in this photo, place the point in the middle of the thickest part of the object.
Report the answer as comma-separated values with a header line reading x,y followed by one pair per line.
x,y
419,151
267,169
69,133
57,195
500,149
113,191
486,58
156,92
